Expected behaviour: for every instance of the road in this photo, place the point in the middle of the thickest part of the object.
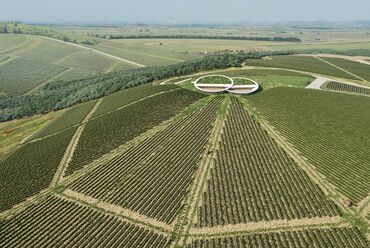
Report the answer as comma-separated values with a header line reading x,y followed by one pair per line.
x,y
98,52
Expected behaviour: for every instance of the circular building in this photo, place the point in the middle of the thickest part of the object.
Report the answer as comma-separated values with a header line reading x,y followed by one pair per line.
x,y
214,83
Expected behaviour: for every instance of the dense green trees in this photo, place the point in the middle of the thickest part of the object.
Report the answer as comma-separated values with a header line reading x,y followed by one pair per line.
x,y
59,95
21,28
185,36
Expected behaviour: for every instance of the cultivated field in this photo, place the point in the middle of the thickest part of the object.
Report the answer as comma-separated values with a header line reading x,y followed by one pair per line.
x,y
333,143
301,63
347,88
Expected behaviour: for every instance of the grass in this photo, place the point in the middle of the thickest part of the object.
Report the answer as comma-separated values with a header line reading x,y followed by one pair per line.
x,y
301,63
214,80
14,132
327,128
21,74
31,168
359,69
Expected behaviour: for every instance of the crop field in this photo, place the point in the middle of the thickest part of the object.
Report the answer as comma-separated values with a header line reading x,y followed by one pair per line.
x,y
74,74
301,63
152,178
359,69
20,75
9,41
325,237
56,222
137,118
333,143
68,119
336,86
91,61
254,180
124,97
30,168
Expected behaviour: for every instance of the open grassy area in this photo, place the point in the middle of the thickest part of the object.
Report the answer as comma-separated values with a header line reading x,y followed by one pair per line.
x,y
327,128
214,80
301,63
20,75
14,132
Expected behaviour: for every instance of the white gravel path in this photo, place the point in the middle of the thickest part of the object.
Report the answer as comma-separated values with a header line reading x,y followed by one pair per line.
x,y
316,84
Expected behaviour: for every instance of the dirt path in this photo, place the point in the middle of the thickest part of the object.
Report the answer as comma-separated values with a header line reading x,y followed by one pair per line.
x,y
184,220
340,68
267,225
40,85
68,155
98,52
126,214
359,59
317,83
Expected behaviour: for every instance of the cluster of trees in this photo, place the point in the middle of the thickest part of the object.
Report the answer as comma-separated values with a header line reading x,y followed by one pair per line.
x,y
21,28
217,37
59,95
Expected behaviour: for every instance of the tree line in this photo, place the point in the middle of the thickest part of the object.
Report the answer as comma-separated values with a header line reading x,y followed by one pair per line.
x,y
63,94
213,37
21,28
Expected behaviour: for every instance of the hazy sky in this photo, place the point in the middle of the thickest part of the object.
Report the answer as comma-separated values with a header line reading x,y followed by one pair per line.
x,y
184,11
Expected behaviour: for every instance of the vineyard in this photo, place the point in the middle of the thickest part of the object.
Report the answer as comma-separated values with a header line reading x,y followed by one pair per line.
x,y
125,124
55,222
301,63
152,178
68,119
359,69
124,97
336,86
20,75
255,180
333,143
31,168
325,237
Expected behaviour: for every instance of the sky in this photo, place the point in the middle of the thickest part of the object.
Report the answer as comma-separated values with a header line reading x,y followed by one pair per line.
x,y
183,11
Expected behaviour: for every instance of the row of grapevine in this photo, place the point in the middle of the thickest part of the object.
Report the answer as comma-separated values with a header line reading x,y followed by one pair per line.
x,y
105,133
348,88
55,222
153,177
70,118
325,237
124,97
253,179
329,129
359,69
301,63
31,168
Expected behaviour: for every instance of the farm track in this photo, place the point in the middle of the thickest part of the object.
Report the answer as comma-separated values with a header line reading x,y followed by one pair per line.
x,y
122,212
98,116
131,180
98,52
40,85
328,188
98,162
185,218
340,68
146,54
72,146
273,225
